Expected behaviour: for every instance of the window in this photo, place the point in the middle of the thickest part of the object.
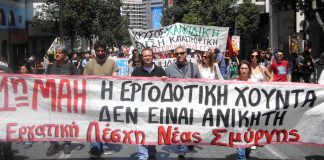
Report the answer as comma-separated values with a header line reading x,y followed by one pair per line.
x,y
2,17
11,20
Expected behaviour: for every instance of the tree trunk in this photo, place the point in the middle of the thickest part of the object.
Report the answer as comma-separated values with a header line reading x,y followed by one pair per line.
x,y
90,40
72,43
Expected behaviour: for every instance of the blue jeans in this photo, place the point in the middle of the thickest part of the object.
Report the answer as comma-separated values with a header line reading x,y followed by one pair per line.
x,y
144,150
182,148
228,72
243,153
222,70
99,145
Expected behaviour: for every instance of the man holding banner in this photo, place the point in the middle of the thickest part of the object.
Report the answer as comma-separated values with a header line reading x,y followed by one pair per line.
x,y
61,67
101,65
149,69
182,69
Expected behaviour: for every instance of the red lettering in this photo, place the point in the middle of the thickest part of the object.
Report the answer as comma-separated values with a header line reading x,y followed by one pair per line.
x,y
9,132
197,136
127,137
175,135
97,132
31,135
40,130
4,87
115,136
82,95
294,133
22,132
64,130
259,134
163,135
49,131
185,137
75,128
15,83
67,96
137,134
50,86
218,137
270,136
233,139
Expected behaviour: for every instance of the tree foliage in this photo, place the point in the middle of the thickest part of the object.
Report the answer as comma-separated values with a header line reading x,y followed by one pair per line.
x,y
87,18
246,22
213,13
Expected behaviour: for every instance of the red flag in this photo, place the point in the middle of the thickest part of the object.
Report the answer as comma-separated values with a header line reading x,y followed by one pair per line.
x,y
230,46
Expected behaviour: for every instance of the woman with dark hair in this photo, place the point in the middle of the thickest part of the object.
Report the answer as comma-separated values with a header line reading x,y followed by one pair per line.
x,y
259,73
135,62
244,71
25,68
208,68
244,74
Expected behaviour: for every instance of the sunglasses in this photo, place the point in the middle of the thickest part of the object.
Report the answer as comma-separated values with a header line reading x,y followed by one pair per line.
x,y
181,53
254,56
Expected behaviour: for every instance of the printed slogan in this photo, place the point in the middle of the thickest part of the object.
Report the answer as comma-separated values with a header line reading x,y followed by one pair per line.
x,y
196,37
156,111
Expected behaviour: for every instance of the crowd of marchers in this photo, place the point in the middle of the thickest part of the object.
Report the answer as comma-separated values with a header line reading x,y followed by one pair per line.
x,y
211,64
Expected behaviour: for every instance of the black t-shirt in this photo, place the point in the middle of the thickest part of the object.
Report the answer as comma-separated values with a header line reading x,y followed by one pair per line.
x,y
156,72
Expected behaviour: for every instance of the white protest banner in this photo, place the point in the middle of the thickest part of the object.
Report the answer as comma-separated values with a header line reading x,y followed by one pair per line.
x,y
150,111
196,37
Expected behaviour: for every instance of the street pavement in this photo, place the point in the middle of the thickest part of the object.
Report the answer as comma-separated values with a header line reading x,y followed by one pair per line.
x,y
128,152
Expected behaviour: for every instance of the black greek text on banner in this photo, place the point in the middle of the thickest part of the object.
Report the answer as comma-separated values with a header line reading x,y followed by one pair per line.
x,y
167,38
155,111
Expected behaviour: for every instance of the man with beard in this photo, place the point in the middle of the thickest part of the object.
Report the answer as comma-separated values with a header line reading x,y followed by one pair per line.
x,y
101,65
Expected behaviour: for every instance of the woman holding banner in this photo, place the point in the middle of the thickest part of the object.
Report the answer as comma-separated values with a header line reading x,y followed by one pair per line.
x,y
208,68
244,74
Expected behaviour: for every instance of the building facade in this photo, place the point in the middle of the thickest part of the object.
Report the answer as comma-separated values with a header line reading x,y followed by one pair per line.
x,y
13,39
19,38
143,14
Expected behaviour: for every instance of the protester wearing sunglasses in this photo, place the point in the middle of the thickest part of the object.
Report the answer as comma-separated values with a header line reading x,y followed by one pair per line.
x,y
209,68
182,68
259,73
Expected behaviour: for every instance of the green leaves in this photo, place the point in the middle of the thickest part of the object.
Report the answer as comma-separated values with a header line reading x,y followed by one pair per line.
x,y
246,21
87,18
214,13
